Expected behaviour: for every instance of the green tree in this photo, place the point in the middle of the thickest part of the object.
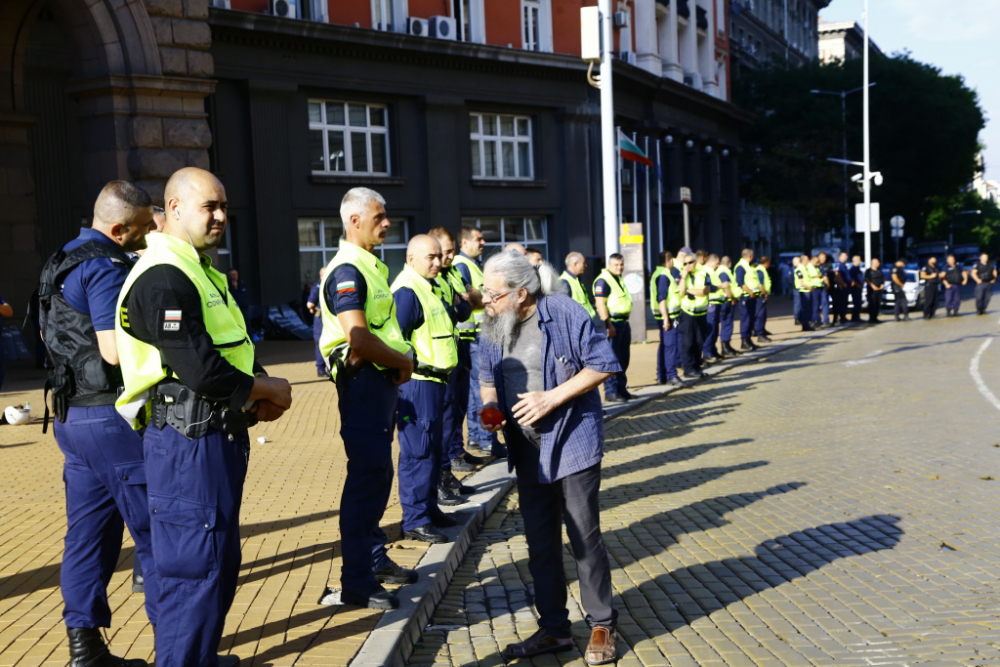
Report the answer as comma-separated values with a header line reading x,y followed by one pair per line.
x,y
982,228
924,133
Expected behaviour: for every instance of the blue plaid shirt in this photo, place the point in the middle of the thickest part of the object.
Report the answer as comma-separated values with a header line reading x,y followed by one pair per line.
x,y
573,433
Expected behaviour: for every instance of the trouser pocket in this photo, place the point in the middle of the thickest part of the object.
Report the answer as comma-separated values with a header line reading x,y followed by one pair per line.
x,y
132,476
183,536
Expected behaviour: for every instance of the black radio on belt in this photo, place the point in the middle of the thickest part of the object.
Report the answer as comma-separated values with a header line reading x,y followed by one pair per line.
x,y
192,415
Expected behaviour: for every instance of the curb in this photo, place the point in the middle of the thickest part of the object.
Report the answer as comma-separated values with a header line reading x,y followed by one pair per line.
x,y
391,642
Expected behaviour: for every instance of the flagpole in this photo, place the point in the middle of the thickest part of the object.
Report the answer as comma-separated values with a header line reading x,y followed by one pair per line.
x,y
618,152
635,186
610,176
649,219
659,194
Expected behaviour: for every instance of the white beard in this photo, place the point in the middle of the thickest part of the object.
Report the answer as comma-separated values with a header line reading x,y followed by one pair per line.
x,y
503,328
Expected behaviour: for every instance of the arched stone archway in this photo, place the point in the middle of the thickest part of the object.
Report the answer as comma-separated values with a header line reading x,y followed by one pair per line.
x,y
135,94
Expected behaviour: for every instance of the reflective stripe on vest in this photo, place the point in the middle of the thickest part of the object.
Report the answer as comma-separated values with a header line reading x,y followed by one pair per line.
x,y
619,301
749,277
654,301
815,276
578,292
691,304
434,340
802,283
380,308
765,278
470,327
141,364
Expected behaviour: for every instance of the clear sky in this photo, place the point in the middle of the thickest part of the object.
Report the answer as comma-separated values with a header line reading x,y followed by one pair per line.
x,y
959,37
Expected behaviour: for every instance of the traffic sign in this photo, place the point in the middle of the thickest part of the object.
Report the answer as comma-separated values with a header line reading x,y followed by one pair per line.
x,y
896,233
897,222
861,218
685,194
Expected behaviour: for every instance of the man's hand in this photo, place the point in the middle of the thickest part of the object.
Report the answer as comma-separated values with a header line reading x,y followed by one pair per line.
x,y
533,406
403,376
266,411
274,390
490,428
611,330
666,324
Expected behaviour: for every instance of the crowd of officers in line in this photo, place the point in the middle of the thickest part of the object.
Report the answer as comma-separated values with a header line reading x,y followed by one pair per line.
x,y
843,287
155,384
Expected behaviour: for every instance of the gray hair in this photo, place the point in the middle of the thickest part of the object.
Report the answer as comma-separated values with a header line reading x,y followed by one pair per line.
x,y
356,201
519,273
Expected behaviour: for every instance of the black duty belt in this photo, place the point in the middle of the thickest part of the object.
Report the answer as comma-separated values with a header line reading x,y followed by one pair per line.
x,y
619,318
433,373
192,415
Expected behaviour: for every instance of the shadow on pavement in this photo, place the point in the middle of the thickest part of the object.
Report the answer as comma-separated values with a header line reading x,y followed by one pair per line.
x,y
676,482
669,456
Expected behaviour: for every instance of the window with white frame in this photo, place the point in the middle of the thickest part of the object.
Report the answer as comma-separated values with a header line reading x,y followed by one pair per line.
x,y
536,25
470,15
382,15
319,240
501,146
348,138
531,232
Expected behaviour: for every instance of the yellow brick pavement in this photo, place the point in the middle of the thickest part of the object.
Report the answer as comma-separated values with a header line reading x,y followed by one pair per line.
x,y
290,532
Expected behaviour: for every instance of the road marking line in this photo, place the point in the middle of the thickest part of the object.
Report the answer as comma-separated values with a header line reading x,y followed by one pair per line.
x,y
978,378
867,359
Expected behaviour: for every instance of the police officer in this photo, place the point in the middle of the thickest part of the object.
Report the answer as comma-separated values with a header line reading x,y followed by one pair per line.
x,y
455,291
665,302
764,278
471,244
727,315
931,275
748,285
954,278
695,288
576,266
190,375
985,275
840,281
899,278
314,307
103,473
369,360
614,305
826,273
804,286
818,283
720,297
427,324
875,280
857,282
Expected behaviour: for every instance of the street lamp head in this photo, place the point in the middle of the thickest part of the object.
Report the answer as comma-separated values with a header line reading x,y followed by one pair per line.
x,y
689,144
708,150
877,177
669,139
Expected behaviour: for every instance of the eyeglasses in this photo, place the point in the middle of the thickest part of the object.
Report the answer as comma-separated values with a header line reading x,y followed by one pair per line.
x,y
690,262
492,296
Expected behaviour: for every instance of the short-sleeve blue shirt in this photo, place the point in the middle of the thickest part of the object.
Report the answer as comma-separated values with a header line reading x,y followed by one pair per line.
x,y
346,290
93,286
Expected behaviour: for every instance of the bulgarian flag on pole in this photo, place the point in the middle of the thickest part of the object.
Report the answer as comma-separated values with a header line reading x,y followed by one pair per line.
x,y
630,151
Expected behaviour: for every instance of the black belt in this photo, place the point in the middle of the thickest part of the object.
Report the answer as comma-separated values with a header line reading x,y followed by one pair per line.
x,y
619,318
94,400
431,373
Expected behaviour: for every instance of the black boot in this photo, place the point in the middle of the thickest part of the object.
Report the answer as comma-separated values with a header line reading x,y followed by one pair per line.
x,y
87,649
729,349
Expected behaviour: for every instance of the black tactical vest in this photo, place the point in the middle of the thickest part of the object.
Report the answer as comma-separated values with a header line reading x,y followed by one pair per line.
x,y
80,377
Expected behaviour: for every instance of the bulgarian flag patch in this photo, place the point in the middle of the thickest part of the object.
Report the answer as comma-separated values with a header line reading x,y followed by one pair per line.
x,y
630,151
346,286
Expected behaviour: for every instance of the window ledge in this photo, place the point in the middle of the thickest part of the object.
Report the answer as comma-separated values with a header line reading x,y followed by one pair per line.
x,y
503,183
347,179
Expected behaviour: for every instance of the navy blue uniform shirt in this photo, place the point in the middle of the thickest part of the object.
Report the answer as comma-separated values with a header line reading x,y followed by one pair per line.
x,y
346,290
93,286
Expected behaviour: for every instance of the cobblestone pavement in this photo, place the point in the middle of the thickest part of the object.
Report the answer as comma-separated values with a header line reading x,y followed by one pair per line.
x,y
834,505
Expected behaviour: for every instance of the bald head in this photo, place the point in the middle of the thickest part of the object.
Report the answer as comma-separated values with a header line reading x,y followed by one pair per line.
x,y
517,247
196,208
423,255
124,213
576,263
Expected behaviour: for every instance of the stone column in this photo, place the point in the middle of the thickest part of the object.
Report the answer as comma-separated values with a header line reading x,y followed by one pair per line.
x,y
670,44
689,46
707,55
647,51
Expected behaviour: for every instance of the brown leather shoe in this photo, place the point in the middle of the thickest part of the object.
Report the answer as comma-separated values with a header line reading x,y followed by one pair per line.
x,y
603,646
537,644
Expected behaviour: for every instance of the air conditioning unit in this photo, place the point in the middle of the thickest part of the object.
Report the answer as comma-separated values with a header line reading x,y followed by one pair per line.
x,y
418,27
444,27
284,8
627,56
621,19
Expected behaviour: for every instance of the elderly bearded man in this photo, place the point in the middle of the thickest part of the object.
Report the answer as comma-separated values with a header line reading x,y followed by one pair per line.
x,y
541,363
